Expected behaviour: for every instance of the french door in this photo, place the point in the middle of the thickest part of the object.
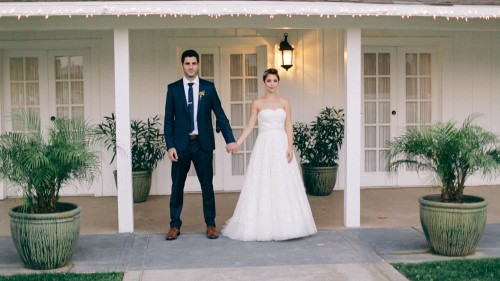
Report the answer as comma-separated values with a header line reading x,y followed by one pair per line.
x,y
236,73
51,84
242,82
399,90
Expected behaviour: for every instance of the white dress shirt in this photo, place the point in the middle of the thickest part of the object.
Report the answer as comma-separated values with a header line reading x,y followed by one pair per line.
x,y
196,94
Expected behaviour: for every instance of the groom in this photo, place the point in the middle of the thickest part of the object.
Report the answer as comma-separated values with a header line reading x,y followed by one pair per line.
x,y
189,137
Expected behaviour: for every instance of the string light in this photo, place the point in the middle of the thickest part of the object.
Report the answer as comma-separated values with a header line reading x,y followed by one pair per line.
x,y
217,10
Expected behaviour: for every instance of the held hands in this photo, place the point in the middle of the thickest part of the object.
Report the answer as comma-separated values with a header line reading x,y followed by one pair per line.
x,y
232,147
172,155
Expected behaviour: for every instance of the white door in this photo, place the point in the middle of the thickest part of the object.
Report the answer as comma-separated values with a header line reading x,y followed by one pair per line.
x,y
53,84
236,73
242,83
399,90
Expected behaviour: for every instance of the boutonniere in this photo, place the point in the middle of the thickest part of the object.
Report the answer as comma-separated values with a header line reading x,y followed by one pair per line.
x,y
202,93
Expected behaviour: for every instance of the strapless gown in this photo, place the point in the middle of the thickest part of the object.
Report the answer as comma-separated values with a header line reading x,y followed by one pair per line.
x,y
273,203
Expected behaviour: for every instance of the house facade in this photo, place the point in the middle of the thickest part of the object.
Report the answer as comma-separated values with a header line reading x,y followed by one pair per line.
x,y
388,65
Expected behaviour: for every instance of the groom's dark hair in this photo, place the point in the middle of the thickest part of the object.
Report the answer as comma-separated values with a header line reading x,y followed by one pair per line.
x,y
190,53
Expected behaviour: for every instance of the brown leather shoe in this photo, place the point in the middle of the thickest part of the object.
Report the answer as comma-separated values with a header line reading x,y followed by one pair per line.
x,y
173,233
212,232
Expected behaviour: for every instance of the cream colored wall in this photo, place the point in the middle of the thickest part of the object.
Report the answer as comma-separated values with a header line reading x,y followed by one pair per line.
x,y
152,69
475,86
470,74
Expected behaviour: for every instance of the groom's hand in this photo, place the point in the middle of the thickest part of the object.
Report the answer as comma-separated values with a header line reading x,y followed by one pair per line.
x,y
172,154
232,147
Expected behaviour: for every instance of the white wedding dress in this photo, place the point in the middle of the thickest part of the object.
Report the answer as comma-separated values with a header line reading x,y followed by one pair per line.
x,y
273,204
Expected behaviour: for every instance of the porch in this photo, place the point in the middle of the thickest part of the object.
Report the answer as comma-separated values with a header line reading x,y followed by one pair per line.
x,y
390,232
380,208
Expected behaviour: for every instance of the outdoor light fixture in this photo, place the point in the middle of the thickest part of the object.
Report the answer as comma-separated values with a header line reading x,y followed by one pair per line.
x,y
286,53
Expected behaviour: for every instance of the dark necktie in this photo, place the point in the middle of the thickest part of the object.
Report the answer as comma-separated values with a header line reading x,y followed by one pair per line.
x,y
191,106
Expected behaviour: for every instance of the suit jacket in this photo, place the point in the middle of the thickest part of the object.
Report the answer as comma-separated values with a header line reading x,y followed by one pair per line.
x,y
176,124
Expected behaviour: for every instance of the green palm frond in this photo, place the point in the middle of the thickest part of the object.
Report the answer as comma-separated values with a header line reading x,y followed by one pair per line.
x,y
453,153
41,161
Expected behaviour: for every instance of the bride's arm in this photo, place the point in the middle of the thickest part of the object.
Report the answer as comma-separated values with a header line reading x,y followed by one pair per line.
x,y
250,125
289,130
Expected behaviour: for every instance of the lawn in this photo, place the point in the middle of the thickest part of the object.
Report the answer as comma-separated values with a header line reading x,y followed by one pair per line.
x,y
108,276
452,270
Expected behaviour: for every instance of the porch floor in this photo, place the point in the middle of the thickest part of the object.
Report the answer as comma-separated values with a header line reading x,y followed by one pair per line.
x,y
390,232
380,208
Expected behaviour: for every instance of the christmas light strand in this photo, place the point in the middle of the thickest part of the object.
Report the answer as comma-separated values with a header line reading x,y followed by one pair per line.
x,y
217,9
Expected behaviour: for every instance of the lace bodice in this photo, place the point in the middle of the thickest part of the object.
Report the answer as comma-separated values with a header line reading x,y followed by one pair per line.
x,y
271,119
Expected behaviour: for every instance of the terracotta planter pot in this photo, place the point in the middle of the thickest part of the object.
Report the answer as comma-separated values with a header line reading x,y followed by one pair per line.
x,y
319,181
46,241
141,185
453,229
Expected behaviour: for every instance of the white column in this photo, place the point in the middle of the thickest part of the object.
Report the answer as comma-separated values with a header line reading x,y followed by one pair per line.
x,y
122,111
352,57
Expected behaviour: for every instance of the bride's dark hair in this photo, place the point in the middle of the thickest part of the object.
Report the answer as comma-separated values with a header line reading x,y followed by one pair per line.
x,y
270,71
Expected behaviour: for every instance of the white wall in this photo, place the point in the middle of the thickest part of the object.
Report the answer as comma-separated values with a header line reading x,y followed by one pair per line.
x,y
470,74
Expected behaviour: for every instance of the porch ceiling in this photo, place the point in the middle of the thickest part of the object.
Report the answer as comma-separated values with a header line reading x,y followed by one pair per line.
x,y
460,9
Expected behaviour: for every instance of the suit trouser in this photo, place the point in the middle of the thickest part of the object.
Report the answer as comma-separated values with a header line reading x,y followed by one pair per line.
x,y
202,161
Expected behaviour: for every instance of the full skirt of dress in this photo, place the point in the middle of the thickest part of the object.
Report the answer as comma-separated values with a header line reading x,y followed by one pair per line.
x,y
273,204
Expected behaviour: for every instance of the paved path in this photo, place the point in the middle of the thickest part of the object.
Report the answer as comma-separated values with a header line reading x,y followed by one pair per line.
x,y
337,254
390,233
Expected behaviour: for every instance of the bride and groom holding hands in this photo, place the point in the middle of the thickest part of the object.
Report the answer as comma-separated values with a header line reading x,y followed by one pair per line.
x,y
272,204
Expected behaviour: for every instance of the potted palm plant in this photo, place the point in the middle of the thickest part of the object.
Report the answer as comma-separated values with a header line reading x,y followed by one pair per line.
x,y
39,162
452,222
147,148
319,144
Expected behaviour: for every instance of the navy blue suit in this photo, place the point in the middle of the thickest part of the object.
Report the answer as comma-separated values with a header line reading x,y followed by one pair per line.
x,y
199,151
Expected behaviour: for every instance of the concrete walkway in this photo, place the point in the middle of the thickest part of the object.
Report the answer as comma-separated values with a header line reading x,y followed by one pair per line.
x,y
334,253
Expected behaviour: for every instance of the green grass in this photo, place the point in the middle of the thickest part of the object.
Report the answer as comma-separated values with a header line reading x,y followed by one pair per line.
x,y
108,276
452,270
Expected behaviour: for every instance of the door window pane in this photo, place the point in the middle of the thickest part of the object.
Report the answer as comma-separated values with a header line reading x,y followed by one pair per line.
x,y
384,87
377,107
244,89
370,112
69,87
24,88
370,136
236,65
411,64
32,94
384,64
370,160
76,67
236,89
370,64
425,88
32,69
411,88
370,88
237,115
251,64
418,89
207,65
251,89
425,63
384,112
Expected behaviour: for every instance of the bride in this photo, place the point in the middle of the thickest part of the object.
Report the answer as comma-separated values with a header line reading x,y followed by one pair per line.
x,y
273,204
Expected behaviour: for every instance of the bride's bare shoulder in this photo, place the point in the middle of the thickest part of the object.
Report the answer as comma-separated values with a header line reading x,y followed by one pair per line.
x,y
258,102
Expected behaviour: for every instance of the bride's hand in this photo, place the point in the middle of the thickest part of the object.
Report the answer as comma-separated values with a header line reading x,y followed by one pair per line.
x,y
289,155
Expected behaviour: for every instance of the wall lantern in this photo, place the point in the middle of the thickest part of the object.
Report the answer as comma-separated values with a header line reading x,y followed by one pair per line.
x,y
286,53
